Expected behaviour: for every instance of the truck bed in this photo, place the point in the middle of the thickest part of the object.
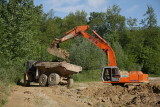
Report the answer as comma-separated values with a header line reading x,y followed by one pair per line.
x,y
62,68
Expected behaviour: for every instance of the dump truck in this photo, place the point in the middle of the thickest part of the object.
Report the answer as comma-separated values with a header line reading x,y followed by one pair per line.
x,y
50,73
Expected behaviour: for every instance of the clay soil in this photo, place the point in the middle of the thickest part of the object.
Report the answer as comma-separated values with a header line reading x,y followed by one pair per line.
x,y
89,94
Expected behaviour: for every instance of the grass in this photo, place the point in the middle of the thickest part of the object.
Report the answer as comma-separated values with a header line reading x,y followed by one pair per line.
x,y
154,75
4,93
88,76
94,75
9,76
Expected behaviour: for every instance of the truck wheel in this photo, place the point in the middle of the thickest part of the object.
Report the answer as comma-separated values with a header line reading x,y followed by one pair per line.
x,y
26,82
70,83
53,79
43,80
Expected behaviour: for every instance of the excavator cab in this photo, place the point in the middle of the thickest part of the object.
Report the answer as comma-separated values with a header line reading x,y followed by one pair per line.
x,y
111,74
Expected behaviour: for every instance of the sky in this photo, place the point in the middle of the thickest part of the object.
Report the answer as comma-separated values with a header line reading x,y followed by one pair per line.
x,y
129,8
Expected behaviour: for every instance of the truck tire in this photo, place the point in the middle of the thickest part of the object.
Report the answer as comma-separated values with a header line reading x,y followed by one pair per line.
x,y
43,80
53,79
26,82
70,83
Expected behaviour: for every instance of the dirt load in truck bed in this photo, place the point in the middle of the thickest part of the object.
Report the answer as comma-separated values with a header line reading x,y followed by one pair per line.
x,y
61,67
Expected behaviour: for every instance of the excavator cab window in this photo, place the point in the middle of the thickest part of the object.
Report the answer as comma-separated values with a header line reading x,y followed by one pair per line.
x,y
110,74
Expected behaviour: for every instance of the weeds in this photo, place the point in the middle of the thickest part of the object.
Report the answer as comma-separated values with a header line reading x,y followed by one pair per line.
x,y
4,92
9,74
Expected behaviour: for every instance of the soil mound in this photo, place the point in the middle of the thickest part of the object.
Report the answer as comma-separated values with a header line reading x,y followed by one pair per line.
x,y
142,95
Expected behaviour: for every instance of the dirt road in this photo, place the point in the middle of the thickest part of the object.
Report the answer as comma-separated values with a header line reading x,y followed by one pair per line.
x,y
94,94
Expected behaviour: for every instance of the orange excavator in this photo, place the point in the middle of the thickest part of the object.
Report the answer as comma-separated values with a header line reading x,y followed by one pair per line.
x,y
111,73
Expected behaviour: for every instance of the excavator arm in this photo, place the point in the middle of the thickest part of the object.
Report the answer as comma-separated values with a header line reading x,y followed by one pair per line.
x,y
80,30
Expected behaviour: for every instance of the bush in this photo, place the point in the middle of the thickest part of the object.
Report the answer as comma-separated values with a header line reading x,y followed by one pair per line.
x,y
86,54
10,73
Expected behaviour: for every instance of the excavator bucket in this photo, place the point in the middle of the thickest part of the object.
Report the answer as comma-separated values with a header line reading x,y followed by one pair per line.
x,y
56,51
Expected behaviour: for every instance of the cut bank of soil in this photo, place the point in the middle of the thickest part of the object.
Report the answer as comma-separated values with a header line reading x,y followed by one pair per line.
x,y
96,94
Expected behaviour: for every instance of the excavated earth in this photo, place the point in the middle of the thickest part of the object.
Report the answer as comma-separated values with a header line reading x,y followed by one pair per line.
x,y
89,94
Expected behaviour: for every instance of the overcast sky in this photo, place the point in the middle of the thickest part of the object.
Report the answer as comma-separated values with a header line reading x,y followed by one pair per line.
x,y
130,8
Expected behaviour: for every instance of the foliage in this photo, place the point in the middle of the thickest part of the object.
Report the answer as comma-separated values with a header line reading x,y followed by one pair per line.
x,y
4,92
132,23
87,76
150,20
87,55
74,19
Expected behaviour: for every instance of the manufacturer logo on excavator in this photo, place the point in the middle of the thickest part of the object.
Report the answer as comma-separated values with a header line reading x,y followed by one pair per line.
x,y
92,40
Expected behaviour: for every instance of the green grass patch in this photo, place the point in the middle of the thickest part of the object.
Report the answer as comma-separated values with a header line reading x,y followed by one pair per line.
x,y
154,75
9,76
94,75
4,93
88,76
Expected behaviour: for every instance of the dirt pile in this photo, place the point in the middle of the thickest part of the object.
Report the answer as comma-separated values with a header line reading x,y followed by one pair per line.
x,y
143,95
99,94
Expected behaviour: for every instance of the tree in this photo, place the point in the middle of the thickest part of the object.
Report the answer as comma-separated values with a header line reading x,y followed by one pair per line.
x,y
87,55
75,19
96,20
20,20
108,23
150,20
115,22
132,22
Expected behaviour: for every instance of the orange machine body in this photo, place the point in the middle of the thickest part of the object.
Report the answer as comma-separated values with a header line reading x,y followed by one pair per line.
x,y
111,73
132,77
